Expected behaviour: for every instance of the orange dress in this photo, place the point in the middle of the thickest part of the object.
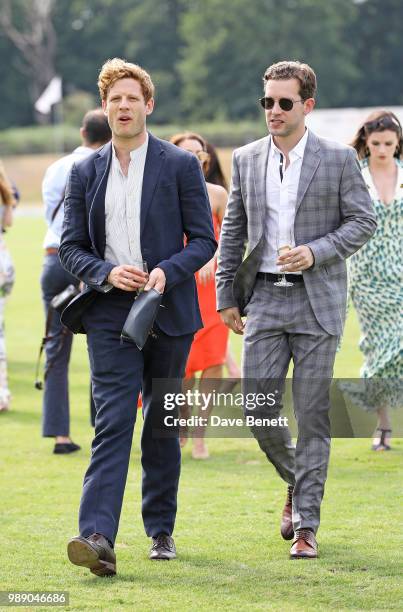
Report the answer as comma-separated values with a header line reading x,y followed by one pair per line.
x,y
209,346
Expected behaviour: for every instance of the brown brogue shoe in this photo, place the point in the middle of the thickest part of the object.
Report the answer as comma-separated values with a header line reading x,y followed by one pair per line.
x,y
287,530
304,545
94,552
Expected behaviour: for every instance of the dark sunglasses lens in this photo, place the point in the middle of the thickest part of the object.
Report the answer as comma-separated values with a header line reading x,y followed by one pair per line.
x,y
383,123
286,104
267,103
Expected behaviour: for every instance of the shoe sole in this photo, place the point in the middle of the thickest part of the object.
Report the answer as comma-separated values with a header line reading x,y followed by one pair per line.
x,y
163,558
293,557
81,553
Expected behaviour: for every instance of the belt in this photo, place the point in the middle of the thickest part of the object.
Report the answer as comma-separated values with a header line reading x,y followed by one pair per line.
x,y
273,278
51,251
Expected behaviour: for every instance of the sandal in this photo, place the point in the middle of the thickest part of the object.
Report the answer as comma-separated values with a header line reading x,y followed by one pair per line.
x,y
381,445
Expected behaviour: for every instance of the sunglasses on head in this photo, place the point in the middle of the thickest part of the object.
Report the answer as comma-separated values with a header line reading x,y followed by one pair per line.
x,y
383,123
203,156
285,104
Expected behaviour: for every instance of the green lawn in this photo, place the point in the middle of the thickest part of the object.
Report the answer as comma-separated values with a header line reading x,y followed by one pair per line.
x,y
231,556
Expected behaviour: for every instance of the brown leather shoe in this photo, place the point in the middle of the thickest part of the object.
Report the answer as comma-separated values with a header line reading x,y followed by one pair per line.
x,y
287,530
93,552
304,545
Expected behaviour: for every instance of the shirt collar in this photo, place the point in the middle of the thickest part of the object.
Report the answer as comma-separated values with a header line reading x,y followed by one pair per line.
x,y
82,149
133,154
296,152
140,150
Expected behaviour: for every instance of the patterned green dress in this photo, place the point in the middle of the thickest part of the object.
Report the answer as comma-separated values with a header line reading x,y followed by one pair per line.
x,y
376,290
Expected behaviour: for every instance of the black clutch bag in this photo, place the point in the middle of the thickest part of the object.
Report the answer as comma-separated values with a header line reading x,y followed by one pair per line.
x,y
141,317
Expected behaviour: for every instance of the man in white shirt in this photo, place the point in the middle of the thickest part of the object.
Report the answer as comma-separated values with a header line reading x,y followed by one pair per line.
x,y
139,199
300,204
94,132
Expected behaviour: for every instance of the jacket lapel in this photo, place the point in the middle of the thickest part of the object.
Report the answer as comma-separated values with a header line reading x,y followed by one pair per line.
x,y
259,164
97,210
154,161
310,163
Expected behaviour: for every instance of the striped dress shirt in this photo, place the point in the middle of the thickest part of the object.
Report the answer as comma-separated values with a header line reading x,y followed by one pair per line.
x,y
122,208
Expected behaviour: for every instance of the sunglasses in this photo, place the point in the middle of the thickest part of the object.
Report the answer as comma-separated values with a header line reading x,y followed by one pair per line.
x,y
383,123
284,103
202,156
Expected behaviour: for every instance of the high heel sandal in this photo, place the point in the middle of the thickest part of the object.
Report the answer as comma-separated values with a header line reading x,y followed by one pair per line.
x,y
381,445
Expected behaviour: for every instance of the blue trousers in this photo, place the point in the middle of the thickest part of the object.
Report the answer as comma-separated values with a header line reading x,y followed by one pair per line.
x,y
119,371
55,408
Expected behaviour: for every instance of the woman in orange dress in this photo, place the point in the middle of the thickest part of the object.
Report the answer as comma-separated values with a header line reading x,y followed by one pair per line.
x,y
209,348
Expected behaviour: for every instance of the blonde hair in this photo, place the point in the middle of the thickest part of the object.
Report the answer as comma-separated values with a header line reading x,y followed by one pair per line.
x,y
117,68
6,190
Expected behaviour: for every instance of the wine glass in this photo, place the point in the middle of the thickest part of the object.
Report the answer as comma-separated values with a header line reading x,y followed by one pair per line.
x,y
284,244
140,265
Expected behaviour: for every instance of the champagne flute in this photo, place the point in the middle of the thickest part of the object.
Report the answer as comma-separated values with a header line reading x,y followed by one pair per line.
x,y
284,244
140,265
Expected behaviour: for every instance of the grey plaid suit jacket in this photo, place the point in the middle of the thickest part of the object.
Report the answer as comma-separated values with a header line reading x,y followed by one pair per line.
x,y
334,217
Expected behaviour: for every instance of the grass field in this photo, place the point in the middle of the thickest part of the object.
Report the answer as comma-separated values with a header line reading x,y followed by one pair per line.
x,y
231,556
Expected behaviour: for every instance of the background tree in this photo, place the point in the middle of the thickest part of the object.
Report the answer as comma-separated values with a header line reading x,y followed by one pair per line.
x,y
377,35
205,56
28,25
227,51
151,29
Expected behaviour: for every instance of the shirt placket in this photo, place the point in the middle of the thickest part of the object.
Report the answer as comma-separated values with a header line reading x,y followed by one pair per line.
x,y
130,197
283,199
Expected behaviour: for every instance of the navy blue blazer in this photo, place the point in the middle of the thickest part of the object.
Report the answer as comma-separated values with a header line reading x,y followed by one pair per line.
x,y
174,204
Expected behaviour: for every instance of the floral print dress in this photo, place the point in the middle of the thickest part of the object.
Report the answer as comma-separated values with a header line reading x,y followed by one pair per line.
x,y
376,290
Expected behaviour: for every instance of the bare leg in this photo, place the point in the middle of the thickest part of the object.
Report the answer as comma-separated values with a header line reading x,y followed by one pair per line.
x,y
185,411
207,385
233,368
5,395
382,436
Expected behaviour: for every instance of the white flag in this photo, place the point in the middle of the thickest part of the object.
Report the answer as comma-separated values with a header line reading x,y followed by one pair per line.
x,y
51,95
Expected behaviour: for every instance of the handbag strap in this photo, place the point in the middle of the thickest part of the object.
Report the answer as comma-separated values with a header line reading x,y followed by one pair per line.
x,y
60,202
45,339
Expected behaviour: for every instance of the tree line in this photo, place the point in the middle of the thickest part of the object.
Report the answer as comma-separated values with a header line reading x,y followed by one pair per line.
x,y
206,57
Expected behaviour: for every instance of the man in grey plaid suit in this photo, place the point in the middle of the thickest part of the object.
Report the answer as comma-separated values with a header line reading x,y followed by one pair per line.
x,y
300,205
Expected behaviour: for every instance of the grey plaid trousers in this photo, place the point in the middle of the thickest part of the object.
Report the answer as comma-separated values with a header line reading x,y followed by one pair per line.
x,y
281,326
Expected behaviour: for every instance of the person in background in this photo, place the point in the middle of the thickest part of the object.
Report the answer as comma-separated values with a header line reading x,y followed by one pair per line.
x,y
209,348
94,133
375,271
215,175
7,202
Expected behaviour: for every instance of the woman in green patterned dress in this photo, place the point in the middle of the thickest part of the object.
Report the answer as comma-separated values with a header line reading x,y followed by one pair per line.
x,y
375,271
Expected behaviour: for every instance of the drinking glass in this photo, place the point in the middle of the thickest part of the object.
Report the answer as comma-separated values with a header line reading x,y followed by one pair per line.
x,y
140,265
284,244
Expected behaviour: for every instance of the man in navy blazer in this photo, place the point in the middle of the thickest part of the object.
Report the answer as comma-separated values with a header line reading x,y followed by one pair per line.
x,y
133,200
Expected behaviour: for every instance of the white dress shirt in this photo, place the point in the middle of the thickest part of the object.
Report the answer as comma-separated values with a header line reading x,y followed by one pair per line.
x,y
281,202
53,190
122,208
